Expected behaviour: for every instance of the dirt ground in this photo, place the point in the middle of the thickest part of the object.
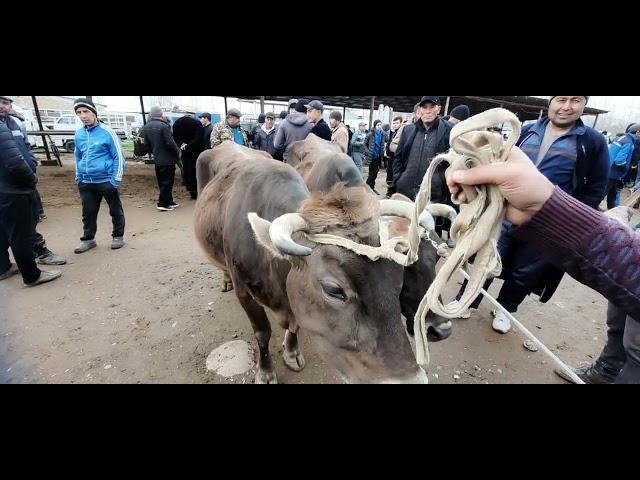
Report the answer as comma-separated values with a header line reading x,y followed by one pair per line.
x,y
153,311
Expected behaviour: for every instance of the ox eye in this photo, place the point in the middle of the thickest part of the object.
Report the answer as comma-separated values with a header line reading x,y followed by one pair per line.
x,y
334,290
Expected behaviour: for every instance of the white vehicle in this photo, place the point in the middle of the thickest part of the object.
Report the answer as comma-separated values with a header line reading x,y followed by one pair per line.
x,y
71,123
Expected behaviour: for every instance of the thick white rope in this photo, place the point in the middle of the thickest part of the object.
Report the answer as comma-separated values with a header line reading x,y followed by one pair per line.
x,y
390,249
477,228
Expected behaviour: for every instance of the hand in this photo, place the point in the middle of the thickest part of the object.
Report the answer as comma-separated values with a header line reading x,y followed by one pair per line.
x,y
525,189
183,146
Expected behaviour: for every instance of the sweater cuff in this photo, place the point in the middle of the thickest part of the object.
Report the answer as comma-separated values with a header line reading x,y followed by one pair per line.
x,y
563,221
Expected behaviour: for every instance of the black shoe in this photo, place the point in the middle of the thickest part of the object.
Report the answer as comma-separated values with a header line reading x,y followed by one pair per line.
x,y
589,374
593,375
194,195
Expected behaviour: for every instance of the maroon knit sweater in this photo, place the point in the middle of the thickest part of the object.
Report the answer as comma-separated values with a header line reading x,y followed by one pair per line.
x,y
595,250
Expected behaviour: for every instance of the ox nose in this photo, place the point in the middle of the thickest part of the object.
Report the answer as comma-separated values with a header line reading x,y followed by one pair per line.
x,y
440,332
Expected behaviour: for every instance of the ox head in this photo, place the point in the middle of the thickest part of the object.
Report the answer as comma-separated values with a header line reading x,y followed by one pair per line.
x,y
347,303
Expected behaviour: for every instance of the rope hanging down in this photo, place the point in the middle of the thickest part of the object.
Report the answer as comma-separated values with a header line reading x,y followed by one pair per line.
x,y
477,229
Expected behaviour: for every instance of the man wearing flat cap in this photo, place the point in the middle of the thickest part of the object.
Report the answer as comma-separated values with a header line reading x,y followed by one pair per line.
x,y
230,129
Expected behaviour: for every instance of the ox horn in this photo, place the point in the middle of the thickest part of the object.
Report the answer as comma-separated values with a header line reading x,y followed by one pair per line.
x,y
398,208
427,221
442,210
281,231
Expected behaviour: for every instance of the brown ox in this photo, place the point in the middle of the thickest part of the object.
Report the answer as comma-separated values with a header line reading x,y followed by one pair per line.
x,y
251,219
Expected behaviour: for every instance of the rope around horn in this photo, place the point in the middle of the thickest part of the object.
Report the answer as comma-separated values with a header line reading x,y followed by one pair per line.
x,y
477,229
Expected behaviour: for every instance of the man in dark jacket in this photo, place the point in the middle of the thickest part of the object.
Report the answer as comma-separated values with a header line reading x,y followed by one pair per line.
x,y
315,108
264,137
350,132
205,119
256,127
395,127
187,133
420,143
282,117
576,159
17,222
43,255
374,147
157,134
458,114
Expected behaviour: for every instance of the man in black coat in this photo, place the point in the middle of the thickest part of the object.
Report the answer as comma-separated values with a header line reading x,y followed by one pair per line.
x,y
421,142
157,134
17,222
187,133
205,120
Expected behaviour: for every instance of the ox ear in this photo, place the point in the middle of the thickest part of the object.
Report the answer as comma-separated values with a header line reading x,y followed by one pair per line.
x,y
260,228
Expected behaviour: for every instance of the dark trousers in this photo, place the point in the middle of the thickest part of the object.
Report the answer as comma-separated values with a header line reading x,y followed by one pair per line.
x,y
442,225
39,243
620,358
166,175
613,189
92,195
39,207
189,172
374,168
16,232
522,269
389,170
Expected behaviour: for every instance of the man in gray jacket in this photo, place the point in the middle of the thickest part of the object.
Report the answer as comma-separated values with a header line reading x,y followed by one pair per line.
x,y
294,128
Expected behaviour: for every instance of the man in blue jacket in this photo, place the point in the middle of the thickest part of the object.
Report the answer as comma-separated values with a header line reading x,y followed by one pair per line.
x,y
100,166
576,159
622,154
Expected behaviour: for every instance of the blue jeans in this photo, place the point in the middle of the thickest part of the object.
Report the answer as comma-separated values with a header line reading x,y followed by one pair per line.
x,y
358,159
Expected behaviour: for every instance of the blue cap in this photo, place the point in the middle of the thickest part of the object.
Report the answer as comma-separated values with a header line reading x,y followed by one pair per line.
x,y
315,104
